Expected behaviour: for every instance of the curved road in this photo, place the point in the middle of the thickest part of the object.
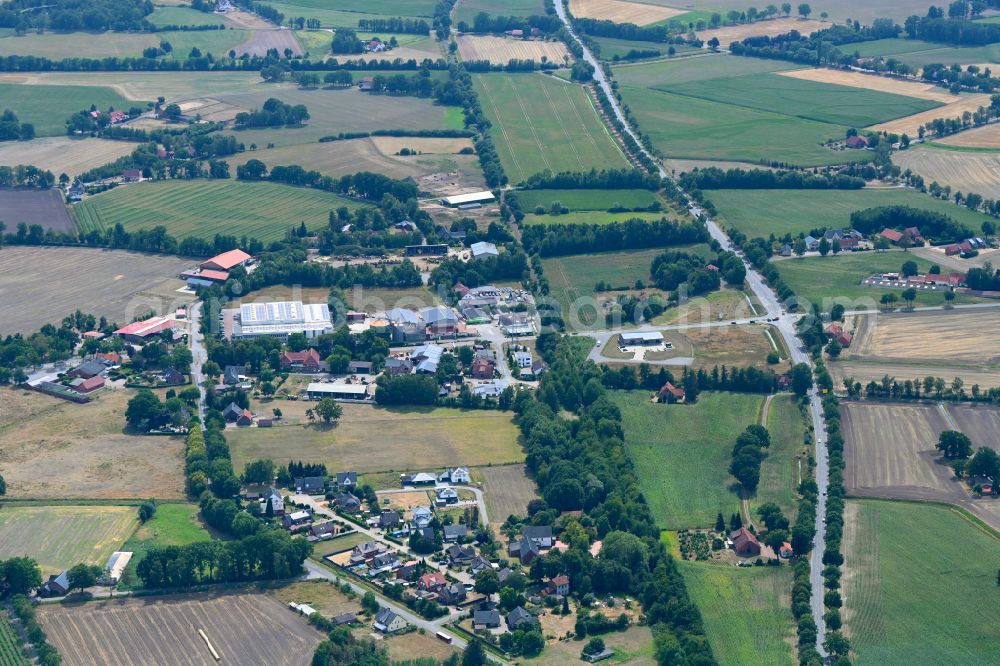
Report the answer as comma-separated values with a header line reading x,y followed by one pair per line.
x,y
785,326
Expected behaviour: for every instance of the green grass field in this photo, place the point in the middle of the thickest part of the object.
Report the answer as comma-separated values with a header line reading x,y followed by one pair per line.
x,y
666,73
887,47
467,10
347,13
204,208
542,123
48,107
779,212
173,525
57,537
577,200
779,471
745,610
611,47
11,649
58,45
920,580
682,453
162,16
589,217
919,53
816,279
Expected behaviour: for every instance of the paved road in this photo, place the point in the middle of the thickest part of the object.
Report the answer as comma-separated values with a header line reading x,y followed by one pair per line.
x,y
785,326
198,354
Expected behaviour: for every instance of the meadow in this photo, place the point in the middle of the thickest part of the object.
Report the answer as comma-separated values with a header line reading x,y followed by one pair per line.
x,y
48,106
204,208
57,537
815,279
919,580
612,47
745,611
543,123
589,217
163,16
663,74
467,10
348,12
682,453
174,524
587,200
779,212
918,53
409,438
779,470
59,45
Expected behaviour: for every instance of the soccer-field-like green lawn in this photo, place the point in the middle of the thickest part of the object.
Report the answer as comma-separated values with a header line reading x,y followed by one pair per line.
x,y
48,107
682,453
204,208
920,586
779,212
586,199
746,611
540,122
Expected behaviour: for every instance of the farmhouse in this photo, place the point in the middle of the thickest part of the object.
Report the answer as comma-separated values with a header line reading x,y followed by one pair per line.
x,y
649,339
558,585
320,390
835,331
471,198
670,393
87,370
984,483
484,250
139,331
115,567
56,586
891,235
281,319
302,361
958,248
226,261
88,385
745,544
812,244
856,142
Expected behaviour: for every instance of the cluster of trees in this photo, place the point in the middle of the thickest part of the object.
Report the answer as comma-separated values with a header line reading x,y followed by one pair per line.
x,y
671,269
71,15
260,9
26,175
485,23
748,453
51,343
721,378
11,129
969,77
952,31
606,179
629,31
929,388
983,279
342,647
552,240
580,464
820,47
758,252
511,264
713,178
932,225
418,85
274,113
442,19
25,612
395,25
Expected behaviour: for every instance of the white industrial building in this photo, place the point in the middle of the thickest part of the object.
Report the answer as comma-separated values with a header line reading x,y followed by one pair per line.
x,y
650,338
281,319
470,198
482,250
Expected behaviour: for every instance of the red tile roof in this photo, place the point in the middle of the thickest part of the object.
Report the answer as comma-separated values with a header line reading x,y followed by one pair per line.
x,y
144,328
891,235
227,260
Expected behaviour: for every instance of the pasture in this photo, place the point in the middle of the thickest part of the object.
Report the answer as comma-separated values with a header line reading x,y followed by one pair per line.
x,y
164,16
204,208
115,284
347,14
409,438
745,611
467,10
242,627
85,452
59,45
57,537
11,648
501,50
174,524
613,48
682,453
779,212
48,106
42,207
507,489
587,200
663,74
62,154
622,11
589,217
540,122
908,567
964,170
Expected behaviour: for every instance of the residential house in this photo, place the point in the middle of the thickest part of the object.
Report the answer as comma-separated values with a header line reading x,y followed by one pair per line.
x,y
491,389
537,368
418,479
296,519
835,331
516,323
519,618
384,563
87,370
303,361
425,533
453,533
347,480
538,534
486,619
365,552
522,359
310,485
856,142
440,320
984,483
913,233
231,376
245,419
389,519
445,496
452,594
421,516
478,565
232,412
172,377
785,251
407,571
431,582
483,368
273,503
460,555
670,393
558,585
524,550
812,244
347,502
786,550
322,531
456,475
56,586
132,175
745,544
388,622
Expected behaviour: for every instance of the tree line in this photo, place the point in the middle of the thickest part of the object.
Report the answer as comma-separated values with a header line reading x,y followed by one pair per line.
x,y
714,178
11,129
71,15
26,175
395,25
606,179
484,23
553,240
432,133
932,225
952,31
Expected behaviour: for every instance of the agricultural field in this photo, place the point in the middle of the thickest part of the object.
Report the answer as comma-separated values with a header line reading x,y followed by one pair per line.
x,y
423,437
261,41
57,537
543,123
964,170
612,48
243,628
174,524
986,137
623,11
589,217
507,489
204,208
62,154
59,45
682,453
112,283
745,611
11,648
779,212
779,472
888,338
666,73
501,50
587,200
138,86
467,10
911,124
164,16
864,81
770,28
865,12
48,106
908,566
349,12
85,452
42,207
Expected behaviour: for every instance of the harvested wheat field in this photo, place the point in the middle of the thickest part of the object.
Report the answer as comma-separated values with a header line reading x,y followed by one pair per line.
x,y
501,50
621,11
873,82
249,20
61,154
930,336
911,124
264,40
980,422
210,110
508,489
889,451
977,172
142,86
980,137
390,145
50,448
735,33
242,628
401,52
865,371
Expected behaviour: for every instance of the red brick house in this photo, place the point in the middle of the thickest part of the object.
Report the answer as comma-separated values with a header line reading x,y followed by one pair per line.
x,y
670,393
431,582
836,332
483,368
303,361
745,544
891,235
